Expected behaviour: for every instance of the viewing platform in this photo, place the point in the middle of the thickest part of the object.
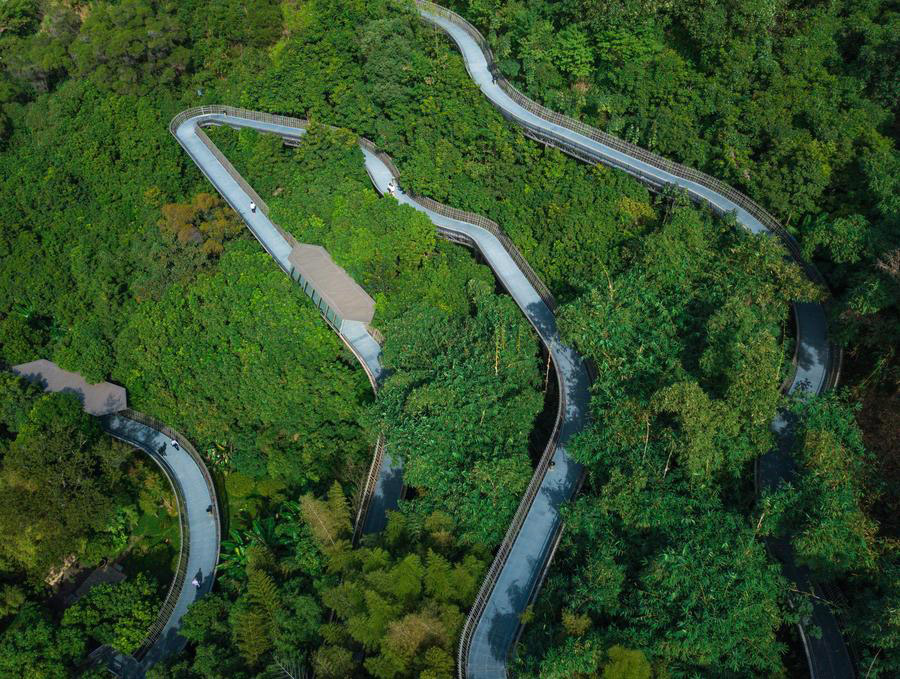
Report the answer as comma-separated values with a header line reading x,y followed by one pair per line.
x,y
338,296
103,398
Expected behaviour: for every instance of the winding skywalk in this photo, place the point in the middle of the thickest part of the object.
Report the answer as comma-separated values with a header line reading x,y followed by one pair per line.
x,y
817,360
523,557
530,541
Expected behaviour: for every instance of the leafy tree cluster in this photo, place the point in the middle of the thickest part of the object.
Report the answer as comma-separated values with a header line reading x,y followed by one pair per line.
x,y
458,409
67,489
243,341
829,512
71,497
299,598
662,554
35,643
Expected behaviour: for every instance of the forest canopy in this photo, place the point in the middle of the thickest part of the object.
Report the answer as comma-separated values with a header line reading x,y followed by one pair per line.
x,y
119,263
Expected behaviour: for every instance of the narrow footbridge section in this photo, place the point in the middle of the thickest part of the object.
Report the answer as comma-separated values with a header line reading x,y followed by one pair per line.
x,y
200,532
484,648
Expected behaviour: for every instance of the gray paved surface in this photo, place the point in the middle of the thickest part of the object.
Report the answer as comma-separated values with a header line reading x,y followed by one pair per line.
x,y
496,631
204,543
827,655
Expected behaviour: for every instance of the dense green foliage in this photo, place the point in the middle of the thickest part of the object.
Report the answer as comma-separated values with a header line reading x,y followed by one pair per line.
x,y
70,498
687,347
458,409
302,598
119,264
118,615
68,492
224,341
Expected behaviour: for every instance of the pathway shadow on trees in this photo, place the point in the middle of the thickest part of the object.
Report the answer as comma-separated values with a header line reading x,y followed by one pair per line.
x,y
778,465
503,626
385,497
543,319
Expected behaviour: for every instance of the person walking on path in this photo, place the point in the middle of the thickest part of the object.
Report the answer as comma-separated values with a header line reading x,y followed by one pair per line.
x,y
196,583
175,444
252,206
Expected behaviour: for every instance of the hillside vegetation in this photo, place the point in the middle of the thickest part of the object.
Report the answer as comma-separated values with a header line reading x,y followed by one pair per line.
x,y
119,263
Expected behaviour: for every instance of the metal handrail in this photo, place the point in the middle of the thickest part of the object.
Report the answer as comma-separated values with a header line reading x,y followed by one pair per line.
x,y
164,429
500,558
229,168
172,597
368,489
494,228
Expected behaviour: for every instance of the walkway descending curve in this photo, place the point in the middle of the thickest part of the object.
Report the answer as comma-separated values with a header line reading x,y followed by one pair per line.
x,y
195,495
200,532
482,655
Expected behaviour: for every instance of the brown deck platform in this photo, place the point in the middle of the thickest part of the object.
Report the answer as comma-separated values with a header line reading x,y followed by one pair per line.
x,y
343,294
102,398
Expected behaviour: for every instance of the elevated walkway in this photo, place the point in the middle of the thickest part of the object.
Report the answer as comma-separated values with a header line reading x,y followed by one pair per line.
x,y
484,647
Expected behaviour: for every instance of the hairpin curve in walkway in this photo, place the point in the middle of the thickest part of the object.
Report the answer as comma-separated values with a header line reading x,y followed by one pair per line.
x,y
525,552
818,361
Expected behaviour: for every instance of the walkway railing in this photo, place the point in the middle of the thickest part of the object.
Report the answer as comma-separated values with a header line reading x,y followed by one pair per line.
x,y
367,491
188,447
180,576
494,228
254,196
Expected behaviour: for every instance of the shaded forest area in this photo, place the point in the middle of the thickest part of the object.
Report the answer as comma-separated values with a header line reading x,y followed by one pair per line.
x,y
118,263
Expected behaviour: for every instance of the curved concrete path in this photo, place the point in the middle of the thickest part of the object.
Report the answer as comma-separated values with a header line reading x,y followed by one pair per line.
x,y
827,655
203,533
